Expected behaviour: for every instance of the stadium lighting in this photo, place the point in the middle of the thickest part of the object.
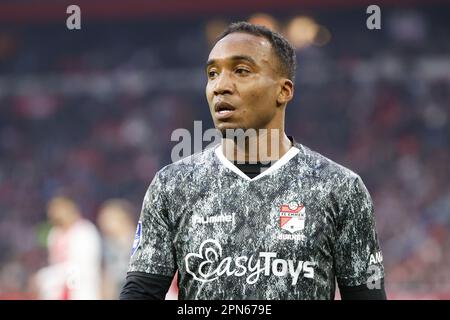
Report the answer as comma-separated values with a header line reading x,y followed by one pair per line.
x,y
264,20
304,31
213,29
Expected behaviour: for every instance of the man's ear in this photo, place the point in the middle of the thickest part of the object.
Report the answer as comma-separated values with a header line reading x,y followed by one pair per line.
x,y
286,92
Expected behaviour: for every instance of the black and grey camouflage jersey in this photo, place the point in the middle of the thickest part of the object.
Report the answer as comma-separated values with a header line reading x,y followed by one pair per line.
x,y
288,233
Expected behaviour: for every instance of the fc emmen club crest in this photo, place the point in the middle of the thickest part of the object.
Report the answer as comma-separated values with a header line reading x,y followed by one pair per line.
x,y
292,217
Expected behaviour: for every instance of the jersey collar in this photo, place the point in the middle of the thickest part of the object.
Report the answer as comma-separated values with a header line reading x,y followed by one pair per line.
x,y
292,152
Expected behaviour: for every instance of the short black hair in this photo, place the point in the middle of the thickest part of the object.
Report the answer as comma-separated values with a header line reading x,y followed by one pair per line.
x,y
283,49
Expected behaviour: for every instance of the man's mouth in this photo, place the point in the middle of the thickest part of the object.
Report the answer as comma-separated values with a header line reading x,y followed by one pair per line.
x,y
223,110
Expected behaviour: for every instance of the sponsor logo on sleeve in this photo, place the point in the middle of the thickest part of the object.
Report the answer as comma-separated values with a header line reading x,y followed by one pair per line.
x,y
137,238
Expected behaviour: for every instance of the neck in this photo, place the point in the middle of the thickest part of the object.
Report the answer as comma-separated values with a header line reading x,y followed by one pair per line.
x,y
267,145
70,222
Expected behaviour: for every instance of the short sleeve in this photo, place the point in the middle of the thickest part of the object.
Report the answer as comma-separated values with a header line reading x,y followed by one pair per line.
x,y
357,254
153,250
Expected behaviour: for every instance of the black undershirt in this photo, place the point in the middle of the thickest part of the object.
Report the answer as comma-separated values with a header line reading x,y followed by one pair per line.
x,y
145,286
252,169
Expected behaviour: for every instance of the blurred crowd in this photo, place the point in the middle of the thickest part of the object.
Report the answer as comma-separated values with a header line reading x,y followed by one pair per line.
x,y
86,121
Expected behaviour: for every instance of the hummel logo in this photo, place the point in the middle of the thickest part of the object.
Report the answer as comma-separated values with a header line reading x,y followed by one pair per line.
x,y
213,219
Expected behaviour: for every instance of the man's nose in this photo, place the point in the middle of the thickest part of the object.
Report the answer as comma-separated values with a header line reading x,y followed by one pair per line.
x,y
223,84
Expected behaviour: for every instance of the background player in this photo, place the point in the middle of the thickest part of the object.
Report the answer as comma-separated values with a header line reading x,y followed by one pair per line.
x,y
74,254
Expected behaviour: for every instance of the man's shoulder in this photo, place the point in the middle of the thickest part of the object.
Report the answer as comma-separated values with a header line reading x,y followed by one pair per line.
x,y
188,165
323,167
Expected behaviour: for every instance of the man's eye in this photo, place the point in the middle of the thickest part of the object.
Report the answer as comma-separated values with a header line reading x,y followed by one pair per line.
x,y
212,74
242,71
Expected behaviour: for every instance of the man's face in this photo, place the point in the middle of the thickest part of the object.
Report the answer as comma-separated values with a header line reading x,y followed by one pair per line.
x,y
61,212
243,82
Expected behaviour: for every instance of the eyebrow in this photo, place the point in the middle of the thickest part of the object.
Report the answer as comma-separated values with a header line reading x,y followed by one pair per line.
x,y
233,58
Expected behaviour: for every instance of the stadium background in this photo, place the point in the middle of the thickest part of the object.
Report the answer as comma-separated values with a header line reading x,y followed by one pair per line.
x,y
93,110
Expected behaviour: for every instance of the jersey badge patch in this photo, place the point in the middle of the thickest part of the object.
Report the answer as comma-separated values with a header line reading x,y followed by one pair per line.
x,y
292,217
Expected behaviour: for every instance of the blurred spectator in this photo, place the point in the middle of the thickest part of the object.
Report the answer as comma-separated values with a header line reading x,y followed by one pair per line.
x,y
74,255
172,293
117,224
